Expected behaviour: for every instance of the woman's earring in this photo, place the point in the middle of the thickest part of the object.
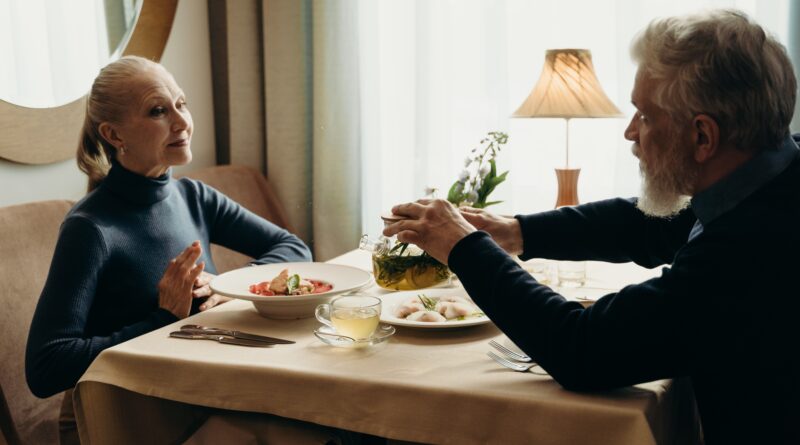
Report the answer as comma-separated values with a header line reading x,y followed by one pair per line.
x,y
121,150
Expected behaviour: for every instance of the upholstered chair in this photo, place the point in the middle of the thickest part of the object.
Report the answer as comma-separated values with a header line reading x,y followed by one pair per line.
x,y
28,234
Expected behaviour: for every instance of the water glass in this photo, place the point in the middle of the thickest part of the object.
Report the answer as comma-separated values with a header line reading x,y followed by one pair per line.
x,y
571,273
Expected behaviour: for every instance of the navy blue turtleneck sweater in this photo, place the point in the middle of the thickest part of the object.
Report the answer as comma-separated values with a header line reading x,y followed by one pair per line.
x,y
113,249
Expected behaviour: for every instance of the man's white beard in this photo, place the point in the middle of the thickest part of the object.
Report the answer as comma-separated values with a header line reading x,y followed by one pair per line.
x,y
660,201
662,186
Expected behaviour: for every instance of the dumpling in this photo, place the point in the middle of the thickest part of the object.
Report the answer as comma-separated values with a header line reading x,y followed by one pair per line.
x,y
408,307
454,299
426,316
450,309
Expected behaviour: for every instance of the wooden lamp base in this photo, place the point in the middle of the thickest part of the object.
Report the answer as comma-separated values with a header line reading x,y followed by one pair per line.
x,y
567,186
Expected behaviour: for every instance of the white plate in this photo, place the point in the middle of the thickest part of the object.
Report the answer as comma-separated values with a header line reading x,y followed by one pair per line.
x,y
236,284
390,301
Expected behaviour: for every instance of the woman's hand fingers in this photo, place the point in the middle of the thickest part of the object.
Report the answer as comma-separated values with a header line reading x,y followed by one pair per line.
x,y
200,292
201,285
176,286
204,279
194,248
214,300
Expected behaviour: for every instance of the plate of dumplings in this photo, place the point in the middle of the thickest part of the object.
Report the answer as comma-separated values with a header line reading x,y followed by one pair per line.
x,y
431,309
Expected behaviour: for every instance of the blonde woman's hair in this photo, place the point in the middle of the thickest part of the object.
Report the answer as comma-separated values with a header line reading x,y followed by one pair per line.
x,y
107,101
722,64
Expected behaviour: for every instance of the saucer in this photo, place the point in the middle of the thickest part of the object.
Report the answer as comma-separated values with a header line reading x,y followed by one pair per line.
x,y
329,336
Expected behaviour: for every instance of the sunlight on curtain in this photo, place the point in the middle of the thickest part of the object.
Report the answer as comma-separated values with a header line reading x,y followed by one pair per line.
x,y
437,75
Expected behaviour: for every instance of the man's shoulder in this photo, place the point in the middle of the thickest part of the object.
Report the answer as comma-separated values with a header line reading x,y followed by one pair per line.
x,y
771,212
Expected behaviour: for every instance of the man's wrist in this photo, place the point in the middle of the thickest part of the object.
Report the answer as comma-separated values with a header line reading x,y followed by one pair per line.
x,y
515,244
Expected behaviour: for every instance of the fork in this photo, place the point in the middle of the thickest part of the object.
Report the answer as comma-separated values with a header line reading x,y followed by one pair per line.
x,y
512,354
519,367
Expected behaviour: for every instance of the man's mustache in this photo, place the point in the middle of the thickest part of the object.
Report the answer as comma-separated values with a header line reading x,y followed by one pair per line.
x,y
635,149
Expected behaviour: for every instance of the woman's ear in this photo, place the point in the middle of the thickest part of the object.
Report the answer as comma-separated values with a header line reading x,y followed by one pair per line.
x,y
705,137
110,134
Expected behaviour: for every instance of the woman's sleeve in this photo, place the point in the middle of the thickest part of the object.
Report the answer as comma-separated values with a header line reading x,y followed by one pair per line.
x,y
58,350
237,228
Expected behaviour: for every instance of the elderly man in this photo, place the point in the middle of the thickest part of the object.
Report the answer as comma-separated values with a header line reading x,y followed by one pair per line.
x,y
720,202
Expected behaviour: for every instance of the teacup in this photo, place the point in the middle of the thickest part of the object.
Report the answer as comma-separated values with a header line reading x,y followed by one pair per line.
x,y
354,316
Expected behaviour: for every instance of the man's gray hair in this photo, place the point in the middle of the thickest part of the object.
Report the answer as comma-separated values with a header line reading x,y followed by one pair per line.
x,y
722,64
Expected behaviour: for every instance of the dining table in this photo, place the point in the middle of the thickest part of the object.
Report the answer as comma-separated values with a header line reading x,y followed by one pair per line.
x,y
420,385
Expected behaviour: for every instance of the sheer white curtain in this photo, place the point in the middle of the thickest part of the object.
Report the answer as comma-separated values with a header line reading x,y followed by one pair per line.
x,y
437,75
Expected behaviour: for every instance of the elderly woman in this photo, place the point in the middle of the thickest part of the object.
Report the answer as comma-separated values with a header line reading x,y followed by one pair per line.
x,y
133,255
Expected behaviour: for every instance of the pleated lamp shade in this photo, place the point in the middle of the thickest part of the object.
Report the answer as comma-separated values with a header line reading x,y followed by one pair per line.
x,y
567,88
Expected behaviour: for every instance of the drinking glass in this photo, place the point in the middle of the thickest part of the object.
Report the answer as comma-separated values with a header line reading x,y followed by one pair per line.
x,y
571,273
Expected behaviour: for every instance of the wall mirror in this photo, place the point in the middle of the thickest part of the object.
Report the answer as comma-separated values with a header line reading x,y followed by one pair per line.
x,y
50,51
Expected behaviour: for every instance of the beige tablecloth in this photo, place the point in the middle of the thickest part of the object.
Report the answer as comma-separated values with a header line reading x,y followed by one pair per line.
x,y
432,386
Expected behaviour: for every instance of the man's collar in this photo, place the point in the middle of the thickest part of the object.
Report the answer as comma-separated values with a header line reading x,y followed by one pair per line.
x,y
728,192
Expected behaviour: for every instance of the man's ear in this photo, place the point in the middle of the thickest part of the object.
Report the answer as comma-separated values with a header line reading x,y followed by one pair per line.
x,y
705,137
110,134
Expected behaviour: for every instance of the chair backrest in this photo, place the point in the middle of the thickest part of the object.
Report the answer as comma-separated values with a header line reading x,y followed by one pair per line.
x,y
249,188
28,234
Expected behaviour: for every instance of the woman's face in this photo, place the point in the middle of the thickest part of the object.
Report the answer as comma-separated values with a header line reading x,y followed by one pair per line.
x,y
156,131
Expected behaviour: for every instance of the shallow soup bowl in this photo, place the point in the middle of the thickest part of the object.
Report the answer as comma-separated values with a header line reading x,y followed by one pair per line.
x,y
237,284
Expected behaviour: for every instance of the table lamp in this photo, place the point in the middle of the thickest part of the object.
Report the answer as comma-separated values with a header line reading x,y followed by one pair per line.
x,y
567,88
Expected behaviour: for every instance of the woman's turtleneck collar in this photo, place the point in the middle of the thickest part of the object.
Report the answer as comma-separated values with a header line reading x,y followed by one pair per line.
x,y
136,188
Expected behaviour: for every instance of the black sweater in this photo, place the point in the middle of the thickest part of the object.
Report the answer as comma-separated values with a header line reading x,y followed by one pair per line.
x,y
722,314
113,248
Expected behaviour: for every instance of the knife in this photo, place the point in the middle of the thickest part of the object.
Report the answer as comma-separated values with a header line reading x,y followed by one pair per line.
x,y
197,329
221,339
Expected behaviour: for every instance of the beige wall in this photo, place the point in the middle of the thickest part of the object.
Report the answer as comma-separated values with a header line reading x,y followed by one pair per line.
x,y
187,56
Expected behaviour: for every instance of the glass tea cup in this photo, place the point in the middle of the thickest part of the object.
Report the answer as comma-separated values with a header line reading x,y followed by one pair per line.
x,y
354,316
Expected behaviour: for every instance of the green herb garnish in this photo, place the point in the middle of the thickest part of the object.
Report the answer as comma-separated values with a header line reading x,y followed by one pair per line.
x,y
292,283
472,315
427,302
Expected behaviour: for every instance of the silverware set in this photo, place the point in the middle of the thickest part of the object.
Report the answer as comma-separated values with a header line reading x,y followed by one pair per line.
x,y
514,360
227,336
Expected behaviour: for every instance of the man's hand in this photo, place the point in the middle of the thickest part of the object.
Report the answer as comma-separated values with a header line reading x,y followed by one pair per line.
x,y
505,231
433,225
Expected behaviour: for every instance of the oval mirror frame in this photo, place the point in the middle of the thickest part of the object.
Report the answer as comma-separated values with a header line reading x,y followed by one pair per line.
x,y
48,135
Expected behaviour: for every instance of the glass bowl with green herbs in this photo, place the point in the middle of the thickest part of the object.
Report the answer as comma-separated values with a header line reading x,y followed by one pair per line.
x,y
403,266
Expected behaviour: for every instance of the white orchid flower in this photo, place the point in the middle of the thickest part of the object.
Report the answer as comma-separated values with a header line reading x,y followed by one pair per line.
x,y
472,197
463,176
484,170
